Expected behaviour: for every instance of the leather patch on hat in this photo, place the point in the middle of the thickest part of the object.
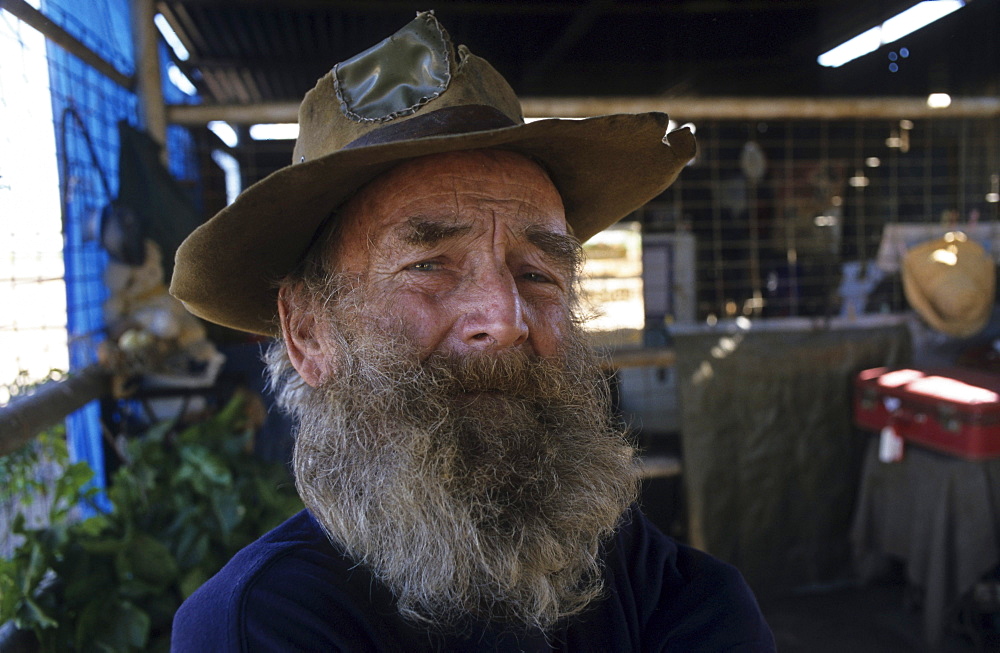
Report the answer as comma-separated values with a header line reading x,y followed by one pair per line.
x,y
397,76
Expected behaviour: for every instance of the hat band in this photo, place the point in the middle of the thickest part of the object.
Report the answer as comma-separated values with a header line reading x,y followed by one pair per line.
x,y
443,122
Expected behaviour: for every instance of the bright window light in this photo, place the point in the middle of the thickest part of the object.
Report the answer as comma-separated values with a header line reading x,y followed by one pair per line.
x,y
225,132
612,282
938,100
170,36
32,291
180,80
918,16
279,131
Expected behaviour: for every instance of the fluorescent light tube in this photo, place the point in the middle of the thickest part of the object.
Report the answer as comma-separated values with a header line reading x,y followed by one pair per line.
x,y
171,37
906,22
180,80
225,132
851,49
919,15
281,131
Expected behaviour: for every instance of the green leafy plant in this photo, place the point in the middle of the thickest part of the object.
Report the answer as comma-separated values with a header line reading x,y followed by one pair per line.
x,y
185,501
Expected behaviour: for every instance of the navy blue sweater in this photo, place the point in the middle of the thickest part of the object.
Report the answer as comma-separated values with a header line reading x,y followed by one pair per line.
x,y
293,590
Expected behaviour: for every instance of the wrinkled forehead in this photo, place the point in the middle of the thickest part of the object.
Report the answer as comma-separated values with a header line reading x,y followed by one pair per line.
x,y
478,189
478,175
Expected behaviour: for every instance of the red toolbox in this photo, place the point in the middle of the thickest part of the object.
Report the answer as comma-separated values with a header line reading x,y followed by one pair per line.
x,y
955,410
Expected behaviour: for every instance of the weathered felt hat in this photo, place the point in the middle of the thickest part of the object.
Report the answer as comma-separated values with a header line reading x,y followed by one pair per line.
x,y
409,96
950,282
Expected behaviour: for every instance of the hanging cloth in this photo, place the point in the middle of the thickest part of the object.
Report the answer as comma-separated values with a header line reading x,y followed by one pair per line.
x,y
146,188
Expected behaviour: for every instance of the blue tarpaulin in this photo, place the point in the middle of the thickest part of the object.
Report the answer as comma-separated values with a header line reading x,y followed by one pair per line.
x,y
87,108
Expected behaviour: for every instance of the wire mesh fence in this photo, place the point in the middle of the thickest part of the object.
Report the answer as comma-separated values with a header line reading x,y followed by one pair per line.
x,y
798,218
792,217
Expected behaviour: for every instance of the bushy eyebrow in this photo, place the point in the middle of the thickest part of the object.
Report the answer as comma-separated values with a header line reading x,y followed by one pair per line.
x,y
559,249
425,232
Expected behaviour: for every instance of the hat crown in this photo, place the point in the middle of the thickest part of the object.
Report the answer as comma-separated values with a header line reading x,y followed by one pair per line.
x,y
411,95
956,296
398,75
414,72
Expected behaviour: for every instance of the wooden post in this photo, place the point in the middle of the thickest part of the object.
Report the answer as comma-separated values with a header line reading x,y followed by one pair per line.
x,y
25,417
147,66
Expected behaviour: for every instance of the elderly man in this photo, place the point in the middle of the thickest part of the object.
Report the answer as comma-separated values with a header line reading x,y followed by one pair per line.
x,y
466,485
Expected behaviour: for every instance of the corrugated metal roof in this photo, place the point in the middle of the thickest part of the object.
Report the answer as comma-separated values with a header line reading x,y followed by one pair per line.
x,y
249,51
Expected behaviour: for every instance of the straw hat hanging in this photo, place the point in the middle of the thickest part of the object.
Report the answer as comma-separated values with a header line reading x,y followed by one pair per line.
x,y
950,282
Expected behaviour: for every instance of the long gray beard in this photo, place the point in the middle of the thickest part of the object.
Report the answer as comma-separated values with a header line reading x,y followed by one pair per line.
x,y
479,486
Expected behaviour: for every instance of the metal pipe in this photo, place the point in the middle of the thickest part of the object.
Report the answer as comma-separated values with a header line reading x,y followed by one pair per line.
x,y
739,108
658,467
640,358
682,109
147,63
25,417
38,21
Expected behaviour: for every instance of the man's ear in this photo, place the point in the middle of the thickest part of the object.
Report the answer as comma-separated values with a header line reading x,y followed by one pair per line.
x,y
311,354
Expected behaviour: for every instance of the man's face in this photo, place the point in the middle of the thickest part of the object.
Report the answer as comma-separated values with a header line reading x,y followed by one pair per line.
x,y
464,252
458,438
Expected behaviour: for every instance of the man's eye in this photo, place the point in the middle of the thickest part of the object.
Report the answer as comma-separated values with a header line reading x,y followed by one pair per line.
x,y
536,277
424,266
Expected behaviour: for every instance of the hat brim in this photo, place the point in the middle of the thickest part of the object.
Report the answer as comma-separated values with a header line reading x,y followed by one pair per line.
x,y
963,327
604,168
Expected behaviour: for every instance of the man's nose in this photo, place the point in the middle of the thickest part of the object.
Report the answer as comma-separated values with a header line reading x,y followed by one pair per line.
x,y
493,311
